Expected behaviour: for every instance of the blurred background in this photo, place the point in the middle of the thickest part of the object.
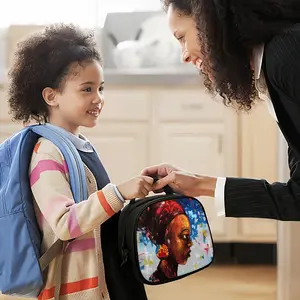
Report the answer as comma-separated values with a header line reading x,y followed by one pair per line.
x,y
157,110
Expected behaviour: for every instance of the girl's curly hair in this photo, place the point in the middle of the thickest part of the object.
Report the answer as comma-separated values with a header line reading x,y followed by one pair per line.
x,y
44,60
228,30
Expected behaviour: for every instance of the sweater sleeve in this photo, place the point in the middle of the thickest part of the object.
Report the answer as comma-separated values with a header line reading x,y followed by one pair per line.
x,y
50,186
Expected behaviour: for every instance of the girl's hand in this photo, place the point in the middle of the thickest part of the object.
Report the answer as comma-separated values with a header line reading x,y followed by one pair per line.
x,y
138,187
181,181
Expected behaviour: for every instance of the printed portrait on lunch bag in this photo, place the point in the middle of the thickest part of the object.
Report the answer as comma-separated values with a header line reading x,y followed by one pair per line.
x,y
173,239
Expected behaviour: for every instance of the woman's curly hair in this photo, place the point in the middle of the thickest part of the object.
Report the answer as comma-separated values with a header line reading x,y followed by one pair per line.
x,y
44,60
228,30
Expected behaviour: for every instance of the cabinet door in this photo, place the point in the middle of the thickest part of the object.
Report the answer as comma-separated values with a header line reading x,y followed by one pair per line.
x,y
122,147
196,147
259,144
8,129
122,136
15,34
4,108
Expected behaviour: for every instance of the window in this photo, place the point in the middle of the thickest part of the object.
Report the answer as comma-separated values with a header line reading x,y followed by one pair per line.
x,y
86,13
83,13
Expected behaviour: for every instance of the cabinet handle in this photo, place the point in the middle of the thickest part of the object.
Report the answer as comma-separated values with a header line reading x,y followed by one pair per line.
x,y
192,106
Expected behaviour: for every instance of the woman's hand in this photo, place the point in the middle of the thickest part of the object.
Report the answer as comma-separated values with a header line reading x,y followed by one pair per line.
x,y
137,187
181,181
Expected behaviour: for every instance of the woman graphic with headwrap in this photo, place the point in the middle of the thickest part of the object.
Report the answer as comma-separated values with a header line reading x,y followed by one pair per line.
x,y
168,227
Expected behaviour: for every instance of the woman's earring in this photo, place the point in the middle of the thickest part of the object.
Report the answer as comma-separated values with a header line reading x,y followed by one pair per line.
x,y
162,252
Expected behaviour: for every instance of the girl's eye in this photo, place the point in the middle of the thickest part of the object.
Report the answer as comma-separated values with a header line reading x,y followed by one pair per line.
x,y
101,88
88,90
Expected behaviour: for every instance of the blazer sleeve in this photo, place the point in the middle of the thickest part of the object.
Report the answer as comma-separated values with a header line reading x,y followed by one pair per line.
x,y
258,198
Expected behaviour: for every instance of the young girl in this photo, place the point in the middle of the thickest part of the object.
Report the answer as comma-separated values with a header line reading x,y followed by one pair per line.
x,y
57,78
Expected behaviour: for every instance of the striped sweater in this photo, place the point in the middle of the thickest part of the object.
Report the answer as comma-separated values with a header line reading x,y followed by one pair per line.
x,y
59,217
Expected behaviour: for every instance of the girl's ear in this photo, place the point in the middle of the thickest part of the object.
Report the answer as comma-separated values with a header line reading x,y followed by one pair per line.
x,y
49,95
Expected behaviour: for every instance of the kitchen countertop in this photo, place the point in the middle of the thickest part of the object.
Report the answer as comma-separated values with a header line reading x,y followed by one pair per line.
x,y
182,76
155,76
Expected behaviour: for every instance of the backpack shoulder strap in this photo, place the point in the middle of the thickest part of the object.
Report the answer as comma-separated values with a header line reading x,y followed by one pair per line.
x,y
50,254
77,180
72,157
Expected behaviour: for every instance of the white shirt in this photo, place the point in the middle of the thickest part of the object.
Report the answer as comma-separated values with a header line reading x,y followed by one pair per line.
x,y
262,89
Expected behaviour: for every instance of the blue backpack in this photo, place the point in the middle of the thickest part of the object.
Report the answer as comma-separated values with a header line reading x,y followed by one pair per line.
x,y
21,264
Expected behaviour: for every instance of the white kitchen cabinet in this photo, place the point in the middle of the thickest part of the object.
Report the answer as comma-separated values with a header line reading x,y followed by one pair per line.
x,y
130,105
122,147
193,112
183,125
15,34
140,127
198,148
187,104
7,128
258,150
196,133
122,134
4,111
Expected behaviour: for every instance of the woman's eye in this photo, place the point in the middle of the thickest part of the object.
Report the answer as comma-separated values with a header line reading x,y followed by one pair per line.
x,y
184,236
88,90
101,88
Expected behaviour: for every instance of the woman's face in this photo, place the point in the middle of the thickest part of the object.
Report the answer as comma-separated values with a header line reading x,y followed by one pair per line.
x,y
178,239
184,29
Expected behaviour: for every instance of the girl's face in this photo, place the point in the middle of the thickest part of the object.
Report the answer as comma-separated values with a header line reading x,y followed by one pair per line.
x,y
178,239
185,31
81,99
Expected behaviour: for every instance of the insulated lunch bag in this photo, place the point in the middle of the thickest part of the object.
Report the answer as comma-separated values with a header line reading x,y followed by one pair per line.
x,y
165,238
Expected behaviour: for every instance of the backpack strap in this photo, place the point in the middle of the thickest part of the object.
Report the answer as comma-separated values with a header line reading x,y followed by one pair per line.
x,y
49,255
56,250
72,157
78,187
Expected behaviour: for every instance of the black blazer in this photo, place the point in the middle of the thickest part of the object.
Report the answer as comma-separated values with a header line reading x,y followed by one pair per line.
x,y
258,198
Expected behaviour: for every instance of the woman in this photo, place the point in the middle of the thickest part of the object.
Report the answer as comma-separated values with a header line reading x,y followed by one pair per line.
x,y
242,48
168,227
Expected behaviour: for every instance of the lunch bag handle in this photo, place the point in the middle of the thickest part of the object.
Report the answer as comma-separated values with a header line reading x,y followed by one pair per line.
x,y
167,189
